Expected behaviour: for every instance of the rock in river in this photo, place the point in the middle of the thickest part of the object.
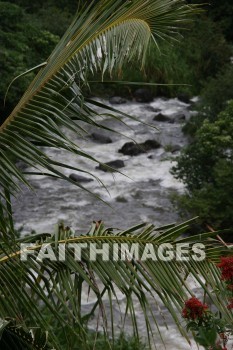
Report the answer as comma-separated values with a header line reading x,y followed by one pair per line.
x,y
100,138
79,178
133,149
115,164
163,118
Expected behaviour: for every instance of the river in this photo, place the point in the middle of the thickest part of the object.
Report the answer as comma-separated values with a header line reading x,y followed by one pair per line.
x,y
142,194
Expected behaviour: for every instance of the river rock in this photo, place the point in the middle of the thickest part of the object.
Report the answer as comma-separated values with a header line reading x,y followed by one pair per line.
x,y
162,118
79,178
143,95
150,144
183,97
133,149
180,117
101,138
117,100
115,164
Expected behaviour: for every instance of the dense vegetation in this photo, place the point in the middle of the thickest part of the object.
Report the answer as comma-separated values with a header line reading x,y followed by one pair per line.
x,y
37,26
206,165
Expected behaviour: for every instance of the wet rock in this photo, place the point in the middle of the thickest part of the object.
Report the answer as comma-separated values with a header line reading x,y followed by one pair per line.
x,y
121,199
101,138
115,164
150,144
132,149
180,117
79,178
143,95
117,100
162,118
183,97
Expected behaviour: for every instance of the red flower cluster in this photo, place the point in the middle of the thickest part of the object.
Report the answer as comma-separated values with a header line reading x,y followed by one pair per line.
x,y
194,309
226,266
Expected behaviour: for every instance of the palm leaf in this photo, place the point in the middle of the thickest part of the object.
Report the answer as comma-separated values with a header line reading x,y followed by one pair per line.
x,y
55,289
100,38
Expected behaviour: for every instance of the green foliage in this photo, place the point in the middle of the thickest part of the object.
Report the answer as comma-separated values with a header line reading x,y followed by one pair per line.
x,y
23,45
190,61
206,168
217,91
220,12
123,342
200,55
100,342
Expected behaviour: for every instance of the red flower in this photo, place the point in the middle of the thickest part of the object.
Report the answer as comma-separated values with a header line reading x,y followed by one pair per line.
x,y
194,309
230,306
226,265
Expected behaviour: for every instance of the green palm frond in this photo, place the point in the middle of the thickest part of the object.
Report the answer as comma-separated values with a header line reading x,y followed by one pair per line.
x,y
32,289
100,38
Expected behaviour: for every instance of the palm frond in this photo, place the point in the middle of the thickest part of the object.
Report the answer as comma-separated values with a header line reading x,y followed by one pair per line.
x,y
100,38
32,289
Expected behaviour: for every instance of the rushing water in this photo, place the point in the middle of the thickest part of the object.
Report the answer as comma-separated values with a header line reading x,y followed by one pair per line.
x,y
141,194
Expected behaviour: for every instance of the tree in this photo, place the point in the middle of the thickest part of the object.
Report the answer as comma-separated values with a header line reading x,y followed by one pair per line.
x,y
205,167
45,296
23,45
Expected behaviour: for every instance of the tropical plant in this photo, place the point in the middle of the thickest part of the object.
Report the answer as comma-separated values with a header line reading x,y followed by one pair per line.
x,y
205,166
41,301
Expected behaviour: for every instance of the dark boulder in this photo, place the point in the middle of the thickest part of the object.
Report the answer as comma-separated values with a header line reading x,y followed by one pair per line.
x,y
79,178
133,149
183,97
121,199
162,118
115,164
117,100
150,144
143,95
100,138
